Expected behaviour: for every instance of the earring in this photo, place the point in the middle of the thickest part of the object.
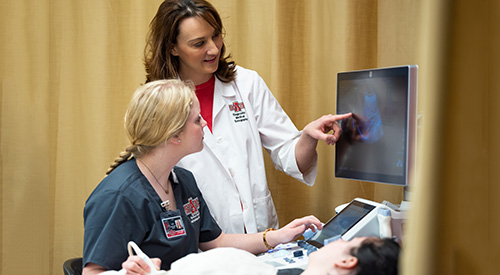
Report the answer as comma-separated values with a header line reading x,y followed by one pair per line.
x,y
179,140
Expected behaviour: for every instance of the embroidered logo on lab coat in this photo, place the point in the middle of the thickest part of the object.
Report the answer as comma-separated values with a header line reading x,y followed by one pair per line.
x,y
191,209
238,111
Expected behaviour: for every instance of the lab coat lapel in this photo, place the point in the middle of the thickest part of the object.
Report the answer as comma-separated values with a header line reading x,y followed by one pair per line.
x,y
222,90
208,138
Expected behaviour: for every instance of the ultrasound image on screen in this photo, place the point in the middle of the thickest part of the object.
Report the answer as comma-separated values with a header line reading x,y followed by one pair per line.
x,y
372,146
342,222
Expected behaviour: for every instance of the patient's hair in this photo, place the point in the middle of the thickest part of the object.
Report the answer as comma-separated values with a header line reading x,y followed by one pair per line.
x,y
157,112
377,257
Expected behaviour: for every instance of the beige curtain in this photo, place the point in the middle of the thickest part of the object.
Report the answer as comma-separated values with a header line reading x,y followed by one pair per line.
x,y
68,69
454,225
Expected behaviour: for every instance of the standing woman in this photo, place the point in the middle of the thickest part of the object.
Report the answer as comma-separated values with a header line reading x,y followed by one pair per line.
x,y
186,41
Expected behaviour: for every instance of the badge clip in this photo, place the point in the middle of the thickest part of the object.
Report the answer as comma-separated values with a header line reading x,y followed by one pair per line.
x,y
166,205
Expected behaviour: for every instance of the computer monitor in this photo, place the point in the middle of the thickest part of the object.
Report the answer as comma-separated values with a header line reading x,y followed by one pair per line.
x,y
378,142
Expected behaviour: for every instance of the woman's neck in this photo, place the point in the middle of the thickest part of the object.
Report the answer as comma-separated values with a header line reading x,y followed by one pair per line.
x,y
157,172
196,79
157,165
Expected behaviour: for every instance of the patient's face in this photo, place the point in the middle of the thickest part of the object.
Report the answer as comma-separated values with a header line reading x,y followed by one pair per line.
x,y
337,256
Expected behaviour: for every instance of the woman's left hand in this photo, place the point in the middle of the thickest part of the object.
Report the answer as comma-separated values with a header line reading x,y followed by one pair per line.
x,y
293,230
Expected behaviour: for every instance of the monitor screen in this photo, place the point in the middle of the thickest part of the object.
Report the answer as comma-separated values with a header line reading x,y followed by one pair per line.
x,y
377,142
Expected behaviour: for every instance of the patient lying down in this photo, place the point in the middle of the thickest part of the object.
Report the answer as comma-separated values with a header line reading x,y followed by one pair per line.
x,y
363,255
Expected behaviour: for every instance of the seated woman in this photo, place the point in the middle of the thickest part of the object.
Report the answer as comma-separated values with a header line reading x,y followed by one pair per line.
x,y
360,256
145,198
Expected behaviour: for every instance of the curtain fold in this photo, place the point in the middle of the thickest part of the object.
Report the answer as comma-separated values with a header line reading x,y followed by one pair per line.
x,y
454,224
69,68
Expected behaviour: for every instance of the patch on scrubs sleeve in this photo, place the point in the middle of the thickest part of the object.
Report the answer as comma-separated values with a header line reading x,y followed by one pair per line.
x,y
238,111
172,224
192,209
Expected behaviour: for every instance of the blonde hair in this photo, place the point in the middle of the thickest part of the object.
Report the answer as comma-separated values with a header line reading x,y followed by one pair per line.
x,y
157,112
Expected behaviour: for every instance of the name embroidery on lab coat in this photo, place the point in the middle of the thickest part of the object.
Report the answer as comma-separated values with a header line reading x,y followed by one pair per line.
x,y
191,209
238,111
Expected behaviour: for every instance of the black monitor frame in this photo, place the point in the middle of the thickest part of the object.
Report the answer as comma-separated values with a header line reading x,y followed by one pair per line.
x,y
378,150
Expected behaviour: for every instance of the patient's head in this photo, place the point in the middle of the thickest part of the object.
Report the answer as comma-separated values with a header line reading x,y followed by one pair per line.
x,y
377,256
359,256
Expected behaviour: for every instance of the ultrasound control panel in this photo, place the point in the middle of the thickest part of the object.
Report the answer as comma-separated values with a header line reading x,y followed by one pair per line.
x,y
290,255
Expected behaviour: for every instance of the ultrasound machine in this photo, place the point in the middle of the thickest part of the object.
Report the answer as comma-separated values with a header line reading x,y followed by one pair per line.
x,y
377,145
359,218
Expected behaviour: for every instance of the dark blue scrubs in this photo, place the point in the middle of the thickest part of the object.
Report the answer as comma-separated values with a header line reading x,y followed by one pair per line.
x,y
124,207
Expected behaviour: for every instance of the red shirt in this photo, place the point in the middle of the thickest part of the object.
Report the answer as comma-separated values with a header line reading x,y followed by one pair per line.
x,y
205,94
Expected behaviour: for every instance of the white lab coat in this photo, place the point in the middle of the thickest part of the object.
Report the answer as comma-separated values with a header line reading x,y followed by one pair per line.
x,y
230,169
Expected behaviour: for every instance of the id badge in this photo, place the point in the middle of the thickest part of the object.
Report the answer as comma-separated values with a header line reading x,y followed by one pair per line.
x,y
173,224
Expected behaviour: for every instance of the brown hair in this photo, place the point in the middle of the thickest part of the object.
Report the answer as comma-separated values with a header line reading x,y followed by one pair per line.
x,y
162,37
